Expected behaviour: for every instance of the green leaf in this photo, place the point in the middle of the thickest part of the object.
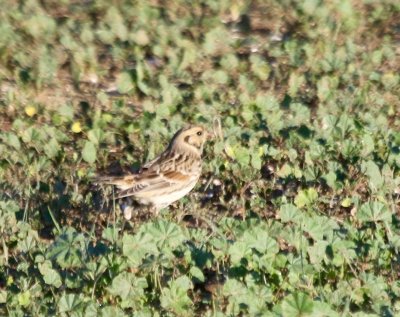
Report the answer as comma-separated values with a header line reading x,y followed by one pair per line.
x,y
91,310
284,171
373,212
89,152
112,311
124,83
321,309
260,67
306,197
24,299
258,239
238,251
66,111
41,25
296,305
110,234
29,242
136,247
256,161
250,299
289,213
235,291
50,276
301,114
106,36
96,136
175,297
212,43
8,210
68,249
52,148
163,111
166,235
295,82
343,251
242,155
317,252
247,114
390,80
324,88
197,273
233,287
140,80
69,303
374,174
3,296
12,140
368,145
316,227
221,77
116,21
129,288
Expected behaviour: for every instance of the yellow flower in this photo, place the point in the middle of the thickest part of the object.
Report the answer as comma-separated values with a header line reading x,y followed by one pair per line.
x,y
30,111
76,127
346,202
10,280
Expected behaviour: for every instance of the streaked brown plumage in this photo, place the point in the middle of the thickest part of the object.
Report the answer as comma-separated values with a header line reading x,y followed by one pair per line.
x,y
168,177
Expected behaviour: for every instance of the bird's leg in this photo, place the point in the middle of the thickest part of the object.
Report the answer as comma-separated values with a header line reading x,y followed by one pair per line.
x,y
152,211
181,214
195,212
190,212
127,208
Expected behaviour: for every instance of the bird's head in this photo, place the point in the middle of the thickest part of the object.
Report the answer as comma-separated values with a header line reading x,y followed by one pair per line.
x,y
190,138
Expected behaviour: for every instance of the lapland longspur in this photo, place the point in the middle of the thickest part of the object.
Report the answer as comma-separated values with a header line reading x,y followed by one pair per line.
x,y
168,177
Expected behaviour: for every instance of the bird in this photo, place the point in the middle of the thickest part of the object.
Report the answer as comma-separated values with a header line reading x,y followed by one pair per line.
x,y
168,177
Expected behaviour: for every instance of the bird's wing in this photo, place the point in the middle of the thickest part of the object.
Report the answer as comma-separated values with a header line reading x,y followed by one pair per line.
x,y
165,173
150,183
164,161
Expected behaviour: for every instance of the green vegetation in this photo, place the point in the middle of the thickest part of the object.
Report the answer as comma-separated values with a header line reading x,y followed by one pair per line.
x,y
297,213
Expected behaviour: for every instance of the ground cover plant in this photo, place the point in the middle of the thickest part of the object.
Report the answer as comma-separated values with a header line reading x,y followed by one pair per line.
x,y
297,211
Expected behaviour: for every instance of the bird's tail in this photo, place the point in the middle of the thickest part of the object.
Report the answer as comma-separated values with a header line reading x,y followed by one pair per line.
x,y
122,182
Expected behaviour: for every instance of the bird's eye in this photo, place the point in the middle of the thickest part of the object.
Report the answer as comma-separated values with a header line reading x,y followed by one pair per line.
x,y
199,133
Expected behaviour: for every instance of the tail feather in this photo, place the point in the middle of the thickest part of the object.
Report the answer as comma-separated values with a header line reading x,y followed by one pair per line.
x,y
121,181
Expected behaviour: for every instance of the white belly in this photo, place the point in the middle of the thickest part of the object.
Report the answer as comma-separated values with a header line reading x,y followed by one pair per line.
x,y
163,200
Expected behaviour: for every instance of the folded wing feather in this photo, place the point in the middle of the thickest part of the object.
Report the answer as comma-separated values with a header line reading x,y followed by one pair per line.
x,y
147,183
